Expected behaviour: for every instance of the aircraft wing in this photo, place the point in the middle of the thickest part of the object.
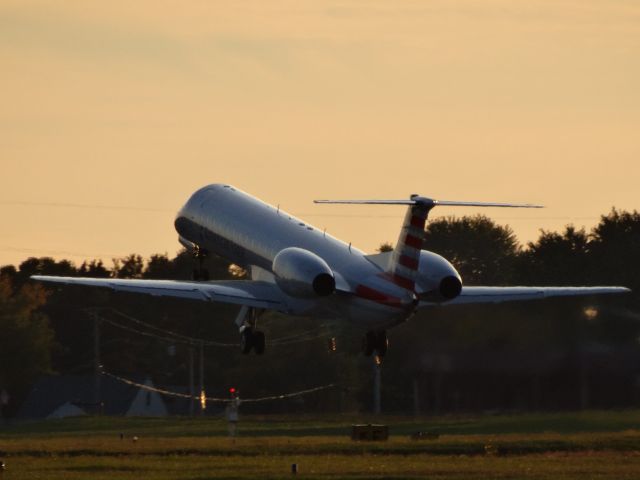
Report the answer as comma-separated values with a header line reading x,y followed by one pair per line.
x,y
472,295
240,292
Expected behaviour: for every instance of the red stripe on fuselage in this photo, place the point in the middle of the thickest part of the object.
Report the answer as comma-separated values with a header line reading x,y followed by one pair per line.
x,y
399,280
403,282
369,293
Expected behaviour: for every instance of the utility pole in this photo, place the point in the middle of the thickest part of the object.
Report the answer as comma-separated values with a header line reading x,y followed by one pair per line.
x,y
202,394
96,364
192,389
377,367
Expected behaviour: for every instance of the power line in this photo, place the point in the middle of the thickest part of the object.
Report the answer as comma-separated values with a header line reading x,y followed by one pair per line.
x,y
140,332
170,336
305,336
162,391
171,333
20,203
39,251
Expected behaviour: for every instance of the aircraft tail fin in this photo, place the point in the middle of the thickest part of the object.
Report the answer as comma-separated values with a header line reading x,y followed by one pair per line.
x,y
404,262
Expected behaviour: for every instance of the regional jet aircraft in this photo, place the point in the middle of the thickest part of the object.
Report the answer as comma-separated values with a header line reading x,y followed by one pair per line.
x,y
298,269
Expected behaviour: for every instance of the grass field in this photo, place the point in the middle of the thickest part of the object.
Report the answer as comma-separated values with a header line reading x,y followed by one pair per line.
x,y
597,445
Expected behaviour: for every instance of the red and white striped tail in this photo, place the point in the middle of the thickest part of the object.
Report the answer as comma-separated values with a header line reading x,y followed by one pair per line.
x,y
406,256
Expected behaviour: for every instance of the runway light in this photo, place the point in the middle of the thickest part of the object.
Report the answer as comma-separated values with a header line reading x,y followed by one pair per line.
x,y
590,313
203,399
490,450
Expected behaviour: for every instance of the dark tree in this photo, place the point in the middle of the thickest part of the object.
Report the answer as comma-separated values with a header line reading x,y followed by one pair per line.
x,y
128,267
483,252
385,247
94,268
615,247
25,337
556,259
159,266
46,266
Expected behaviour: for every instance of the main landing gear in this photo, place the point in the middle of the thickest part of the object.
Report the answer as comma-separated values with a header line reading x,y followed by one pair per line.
x,y
375,342
200,273
250,338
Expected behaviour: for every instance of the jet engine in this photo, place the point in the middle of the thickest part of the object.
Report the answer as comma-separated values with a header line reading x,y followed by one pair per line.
x,y
437,280
301,273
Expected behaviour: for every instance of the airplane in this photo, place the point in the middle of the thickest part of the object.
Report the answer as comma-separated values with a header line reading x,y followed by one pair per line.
x,y
298,269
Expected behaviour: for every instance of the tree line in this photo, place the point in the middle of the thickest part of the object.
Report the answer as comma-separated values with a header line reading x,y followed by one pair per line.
x,y
438,359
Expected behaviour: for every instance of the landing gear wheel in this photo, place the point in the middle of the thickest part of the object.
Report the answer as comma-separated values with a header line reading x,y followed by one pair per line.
x,y
246,340
258,342
369,343
250,340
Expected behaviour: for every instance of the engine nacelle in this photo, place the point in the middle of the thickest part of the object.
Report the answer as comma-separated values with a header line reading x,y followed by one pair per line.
x,y
301,273
437,279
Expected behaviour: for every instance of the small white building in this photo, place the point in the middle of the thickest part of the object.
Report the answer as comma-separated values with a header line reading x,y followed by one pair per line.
x,y
67,409
147,403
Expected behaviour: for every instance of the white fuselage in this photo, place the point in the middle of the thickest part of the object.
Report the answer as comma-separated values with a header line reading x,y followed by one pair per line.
x,y
250,233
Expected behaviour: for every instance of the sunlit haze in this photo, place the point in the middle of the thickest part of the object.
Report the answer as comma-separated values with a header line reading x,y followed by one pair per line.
x,y
113,113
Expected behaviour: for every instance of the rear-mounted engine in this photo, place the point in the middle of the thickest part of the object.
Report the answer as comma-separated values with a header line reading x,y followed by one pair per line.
x,y
301,273
438,280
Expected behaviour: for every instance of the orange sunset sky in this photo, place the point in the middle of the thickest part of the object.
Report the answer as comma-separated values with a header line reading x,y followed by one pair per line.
x,y
136,104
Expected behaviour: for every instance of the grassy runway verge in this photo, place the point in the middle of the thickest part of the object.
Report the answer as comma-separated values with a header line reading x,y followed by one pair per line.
x,y
598,445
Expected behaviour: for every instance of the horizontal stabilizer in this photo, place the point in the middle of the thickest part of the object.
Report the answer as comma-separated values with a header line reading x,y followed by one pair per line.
x,y
429,202
369,202
450,203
